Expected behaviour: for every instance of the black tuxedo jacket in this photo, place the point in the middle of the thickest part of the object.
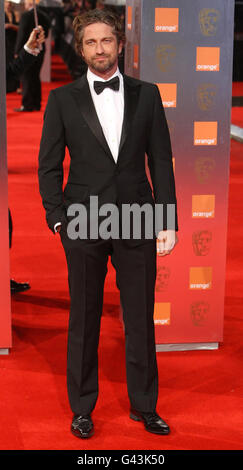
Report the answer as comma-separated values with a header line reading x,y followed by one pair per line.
x,y
71,121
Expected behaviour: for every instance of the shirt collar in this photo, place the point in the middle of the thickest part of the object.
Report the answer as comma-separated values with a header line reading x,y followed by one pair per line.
x,y
91,77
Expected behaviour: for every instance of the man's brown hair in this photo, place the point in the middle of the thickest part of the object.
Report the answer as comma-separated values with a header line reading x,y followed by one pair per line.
x,y
97,16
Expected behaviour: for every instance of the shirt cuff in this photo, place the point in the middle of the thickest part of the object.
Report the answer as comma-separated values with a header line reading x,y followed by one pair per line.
x,y
31,51
56,225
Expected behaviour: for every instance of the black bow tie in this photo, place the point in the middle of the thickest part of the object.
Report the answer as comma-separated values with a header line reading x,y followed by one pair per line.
x,y
114,84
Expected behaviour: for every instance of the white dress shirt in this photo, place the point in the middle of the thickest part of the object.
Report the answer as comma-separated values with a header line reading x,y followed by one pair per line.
x,y
109,106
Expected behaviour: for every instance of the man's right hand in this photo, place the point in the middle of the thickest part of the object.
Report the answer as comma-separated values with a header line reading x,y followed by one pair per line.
x,y
36,38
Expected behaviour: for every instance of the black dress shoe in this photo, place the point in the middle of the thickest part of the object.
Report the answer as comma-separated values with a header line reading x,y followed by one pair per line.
x,y
22,109
152,422
18,286
82,426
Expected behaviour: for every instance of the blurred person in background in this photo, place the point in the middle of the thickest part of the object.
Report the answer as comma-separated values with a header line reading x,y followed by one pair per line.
x,y
75,64
78,7
88,5
55,10
27,56
11,29
100,4
31,83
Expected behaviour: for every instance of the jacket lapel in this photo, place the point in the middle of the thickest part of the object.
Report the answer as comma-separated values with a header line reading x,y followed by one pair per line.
x,y
131,96
83,99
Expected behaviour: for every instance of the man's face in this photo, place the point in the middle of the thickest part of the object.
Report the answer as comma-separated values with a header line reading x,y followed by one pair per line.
x,y
87,4
28,4
100,48
8,5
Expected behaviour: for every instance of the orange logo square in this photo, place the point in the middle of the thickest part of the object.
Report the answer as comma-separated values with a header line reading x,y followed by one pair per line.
x,y
162,313
168,92
205,132
208,59
203,206
166,20
129,17
200,278
135,56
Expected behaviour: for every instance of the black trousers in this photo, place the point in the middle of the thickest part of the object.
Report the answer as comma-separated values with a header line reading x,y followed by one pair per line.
x,y
31,84
135,277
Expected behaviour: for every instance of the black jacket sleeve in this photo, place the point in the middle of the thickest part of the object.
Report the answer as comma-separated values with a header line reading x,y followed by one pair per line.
x,y
24,30
51,156
17,66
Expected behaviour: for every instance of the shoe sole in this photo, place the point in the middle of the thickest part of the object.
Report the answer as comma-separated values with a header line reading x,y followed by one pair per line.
x,y
134,417
161,433
17,291
80,436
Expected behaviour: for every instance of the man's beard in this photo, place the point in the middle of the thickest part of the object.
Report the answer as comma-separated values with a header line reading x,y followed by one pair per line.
x,y
104,65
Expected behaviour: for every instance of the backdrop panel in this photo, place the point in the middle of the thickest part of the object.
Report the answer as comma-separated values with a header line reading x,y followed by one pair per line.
x,y
186,49
5,320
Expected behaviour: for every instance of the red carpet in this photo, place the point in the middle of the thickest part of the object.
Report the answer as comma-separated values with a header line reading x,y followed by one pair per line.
x,y
200,392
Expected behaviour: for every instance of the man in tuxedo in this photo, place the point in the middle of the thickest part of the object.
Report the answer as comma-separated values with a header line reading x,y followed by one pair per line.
x,y
108,121
31,83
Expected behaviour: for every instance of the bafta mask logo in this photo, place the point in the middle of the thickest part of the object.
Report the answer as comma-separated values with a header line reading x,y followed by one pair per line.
x,y
201,242
204,167
206,94
208,20
165,55
199,313
162,280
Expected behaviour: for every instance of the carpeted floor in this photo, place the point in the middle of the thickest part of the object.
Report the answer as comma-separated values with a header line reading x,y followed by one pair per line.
x,y
200,392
